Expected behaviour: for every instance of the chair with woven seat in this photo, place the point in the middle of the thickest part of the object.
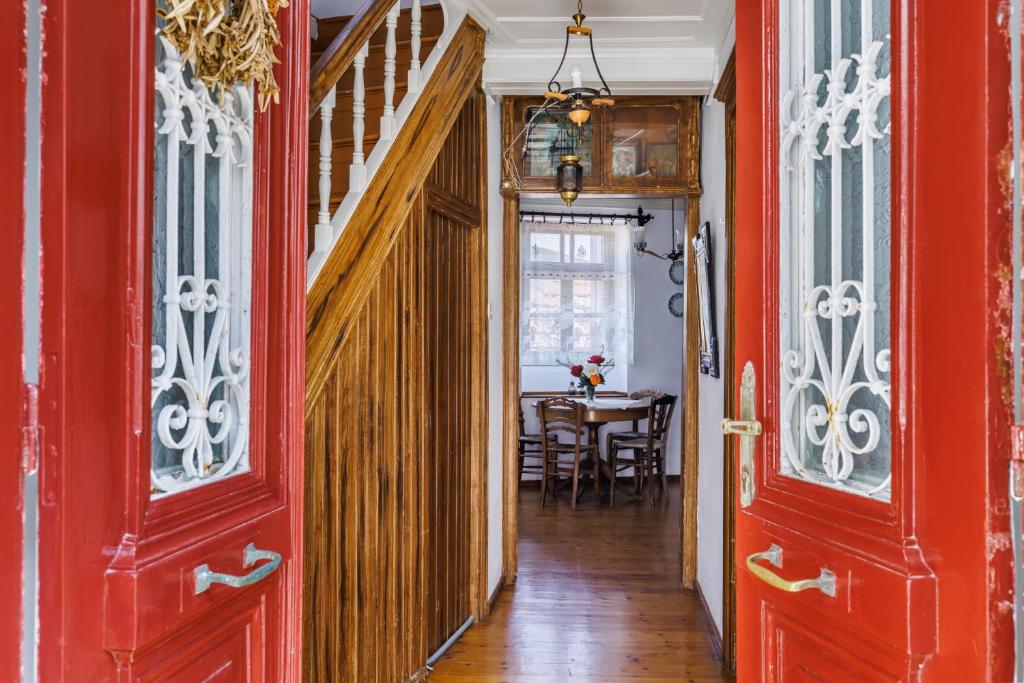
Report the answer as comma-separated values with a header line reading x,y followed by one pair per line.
x,y
648,451
565,416
529,447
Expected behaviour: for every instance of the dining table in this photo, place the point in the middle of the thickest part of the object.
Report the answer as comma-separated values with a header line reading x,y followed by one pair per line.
x,y
603,410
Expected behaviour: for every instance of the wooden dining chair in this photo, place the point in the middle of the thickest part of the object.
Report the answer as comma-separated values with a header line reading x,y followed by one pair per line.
x,y
648,451
635,432
529,447
565,416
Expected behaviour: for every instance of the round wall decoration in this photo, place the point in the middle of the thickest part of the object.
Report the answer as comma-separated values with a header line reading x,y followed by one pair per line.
x,y
227,43
677,272
677,305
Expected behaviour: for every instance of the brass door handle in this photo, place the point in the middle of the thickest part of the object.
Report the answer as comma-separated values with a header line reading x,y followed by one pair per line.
x,y
741,427
826,581
748,428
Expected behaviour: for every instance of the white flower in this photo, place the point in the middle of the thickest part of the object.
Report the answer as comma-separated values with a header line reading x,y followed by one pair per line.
x,y
591,369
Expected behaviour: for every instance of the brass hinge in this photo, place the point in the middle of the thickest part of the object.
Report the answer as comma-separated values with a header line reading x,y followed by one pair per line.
x,y
29,428
1017,462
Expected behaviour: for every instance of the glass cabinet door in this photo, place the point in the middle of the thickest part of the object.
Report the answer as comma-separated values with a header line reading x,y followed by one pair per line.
x,y
644,143
553,136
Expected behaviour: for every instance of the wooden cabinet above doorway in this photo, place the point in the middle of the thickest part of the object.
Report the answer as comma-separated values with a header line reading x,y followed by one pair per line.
x,y
642,145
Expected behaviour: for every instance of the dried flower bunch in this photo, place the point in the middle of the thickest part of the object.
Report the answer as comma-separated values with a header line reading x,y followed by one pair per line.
x,y
227,43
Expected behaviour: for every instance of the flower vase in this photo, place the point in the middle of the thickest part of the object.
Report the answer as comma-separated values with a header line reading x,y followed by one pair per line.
x,y
591,390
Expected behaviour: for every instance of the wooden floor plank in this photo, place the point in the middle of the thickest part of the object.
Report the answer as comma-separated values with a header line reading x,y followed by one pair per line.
x,y
597,598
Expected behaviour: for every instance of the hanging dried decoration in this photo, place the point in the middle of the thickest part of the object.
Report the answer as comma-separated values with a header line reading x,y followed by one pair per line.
x,y
227,42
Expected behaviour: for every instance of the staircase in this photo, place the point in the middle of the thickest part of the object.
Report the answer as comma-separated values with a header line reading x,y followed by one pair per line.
x,y
369,88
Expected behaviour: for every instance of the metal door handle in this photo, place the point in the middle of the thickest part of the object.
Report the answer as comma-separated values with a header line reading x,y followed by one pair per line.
x,y
748,428
741,427
206,578
826,581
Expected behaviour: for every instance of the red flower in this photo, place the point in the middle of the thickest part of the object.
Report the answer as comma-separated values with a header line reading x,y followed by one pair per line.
x,y
596,359
576,370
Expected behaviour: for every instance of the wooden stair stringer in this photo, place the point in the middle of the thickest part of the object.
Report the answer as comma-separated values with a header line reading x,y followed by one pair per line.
x,y
337,293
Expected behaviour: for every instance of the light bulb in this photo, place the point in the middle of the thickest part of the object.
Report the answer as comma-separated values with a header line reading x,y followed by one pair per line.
x,y
576,72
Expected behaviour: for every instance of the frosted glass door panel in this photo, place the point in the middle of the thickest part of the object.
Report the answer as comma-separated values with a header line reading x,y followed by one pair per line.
x,y
835,244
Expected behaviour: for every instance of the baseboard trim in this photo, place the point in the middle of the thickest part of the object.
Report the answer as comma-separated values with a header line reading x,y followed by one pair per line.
x,y
709,625
492,602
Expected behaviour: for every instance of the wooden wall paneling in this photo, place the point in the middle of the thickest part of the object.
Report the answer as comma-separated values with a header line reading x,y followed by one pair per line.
x,y
339,290
394,487
390,444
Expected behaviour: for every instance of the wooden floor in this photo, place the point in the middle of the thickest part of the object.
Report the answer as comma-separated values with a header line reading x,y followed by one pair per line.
x,y
597,599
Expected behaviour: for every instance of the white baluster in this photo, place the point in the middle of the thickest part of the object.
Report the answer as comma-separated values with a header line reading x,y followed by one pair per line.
x,y
387,121
414,44
323,233
357,170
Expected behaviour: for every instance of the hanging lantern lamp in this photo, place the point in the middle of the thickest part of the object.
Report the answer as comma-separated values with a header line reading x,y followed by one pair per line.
x,y
570,178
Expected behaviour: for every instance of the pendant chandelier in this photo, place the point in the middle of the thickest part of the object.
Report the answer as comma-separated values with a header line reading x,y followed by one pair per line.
x,y
579,100
577,103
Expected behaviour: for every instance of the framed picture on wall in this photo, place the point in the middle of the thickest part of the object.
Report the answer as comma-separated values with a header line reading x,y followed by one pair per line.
x,y
706,338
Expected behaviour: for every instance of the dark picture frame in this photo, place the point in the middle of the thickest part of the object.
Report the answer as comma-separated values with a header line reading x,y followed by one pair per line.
x,y
707,338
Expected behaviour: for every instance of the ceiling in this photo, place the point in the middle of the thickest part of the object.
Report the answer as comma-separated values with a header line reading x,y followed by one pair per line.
x,y
643,46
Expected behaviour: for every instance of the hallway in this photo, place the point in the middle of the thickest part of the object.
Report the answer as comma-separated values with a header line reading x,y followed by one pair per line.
x,y
597,599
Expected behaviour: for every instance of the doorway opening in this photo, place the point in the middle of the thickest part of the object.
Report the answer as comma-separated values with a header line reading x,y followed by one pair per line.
x,y
597,577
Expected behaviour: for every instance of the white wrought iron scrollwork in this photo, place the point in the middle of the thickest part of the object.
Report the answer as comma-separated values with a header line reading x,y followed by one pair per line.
x,y
835,388
200,354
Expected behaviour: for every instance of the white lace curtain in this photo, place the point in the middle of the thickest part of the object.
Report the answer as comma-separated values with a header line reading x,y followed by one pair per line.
x,y
576,293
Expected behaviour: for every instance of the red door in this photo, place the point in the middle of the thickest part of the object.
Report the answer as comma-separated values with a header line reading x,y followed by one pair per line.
x,y
13,413
172,347
872,487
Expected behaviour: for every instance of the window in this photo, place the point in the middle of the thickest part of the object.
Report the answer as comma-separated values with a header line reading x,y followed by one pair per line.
x,y
576,293
835,245
202,280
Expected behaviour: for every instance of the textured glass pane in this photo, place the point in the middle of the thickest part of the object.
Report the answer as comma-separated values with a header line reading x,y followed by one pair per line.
x,y
645,142
835,245
545,247
586,297
552,137
202,246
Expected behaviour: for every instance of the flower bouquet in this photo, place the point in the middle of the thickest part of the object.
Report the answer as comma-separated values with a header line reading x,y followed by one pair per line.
x,y
589,375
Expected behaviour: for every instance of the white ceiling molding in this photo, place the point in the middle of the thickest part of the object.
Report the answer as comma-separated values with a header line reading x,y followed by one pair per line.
x,y
647,71
655,47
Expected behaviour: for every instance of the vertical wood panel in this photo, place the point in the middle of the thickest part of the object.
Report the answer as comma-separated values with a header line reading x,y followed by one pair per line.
x,y
394,455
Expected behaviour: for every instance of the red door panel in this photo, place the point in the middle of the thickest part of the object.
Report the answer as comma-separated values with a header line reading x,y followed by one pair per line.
x,y
228,649
796,654
920,570
118,596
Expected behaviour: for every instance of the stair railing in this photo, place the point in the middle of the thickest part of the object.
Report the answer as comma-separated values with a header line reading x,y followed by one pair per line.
x,y
350,49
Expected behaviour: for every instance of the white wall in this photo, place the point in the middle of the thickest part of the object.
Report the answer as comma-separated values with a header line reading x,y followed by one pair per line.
x,y
657,336
710,483
495,388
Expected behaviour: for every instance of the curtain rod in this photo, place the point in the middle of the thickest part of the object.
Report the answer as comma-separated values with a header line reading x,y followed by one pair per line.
x,y
586,218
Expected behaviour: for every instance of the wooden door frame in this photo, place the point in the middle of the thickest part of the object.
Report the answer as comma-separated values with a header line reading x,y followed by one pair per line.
x,y
689,456
510,414
726,93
